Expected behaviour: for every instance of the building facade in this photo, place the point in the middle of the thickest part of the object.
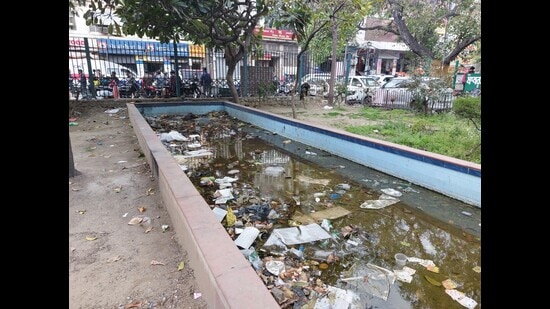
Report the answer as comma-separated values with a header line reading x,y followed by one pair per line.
x,y
378,51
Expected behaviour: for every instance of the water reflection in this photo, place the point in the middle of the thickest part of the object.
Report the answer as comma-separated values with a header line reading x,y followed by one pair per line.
x,y
293,187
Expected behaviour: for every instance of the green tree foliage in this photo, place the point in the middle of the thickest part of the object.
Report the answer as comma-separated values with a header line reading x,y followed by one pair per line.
x,y
314,22
468,108
436,30
218,24
426,92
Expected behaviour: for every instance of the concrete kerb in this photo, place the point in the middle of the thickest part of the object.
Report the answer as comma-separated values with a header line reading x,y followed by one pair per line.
x,y
225,277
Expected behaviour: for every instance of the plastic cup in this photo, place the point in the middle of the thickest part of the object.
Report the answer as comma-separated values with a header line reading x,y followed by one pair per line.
x,y
400,260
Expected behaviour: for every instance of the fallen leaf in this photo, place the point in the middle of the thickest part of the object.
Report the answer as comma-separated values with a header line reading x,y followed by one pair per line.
x,y
142,209
432,281
477,269
135,221
149,229
90,238
181,265
153,262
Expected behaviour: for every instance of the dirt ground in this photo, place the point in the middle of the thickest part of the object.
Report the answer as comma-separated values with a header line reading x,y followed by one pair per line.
x,y
112,262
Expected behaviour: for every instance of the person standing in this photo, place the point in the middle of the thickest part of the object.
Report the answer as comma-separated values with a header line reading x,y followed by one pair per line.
x,y
206,82
472,70
175,81
134,86
114,85
83,85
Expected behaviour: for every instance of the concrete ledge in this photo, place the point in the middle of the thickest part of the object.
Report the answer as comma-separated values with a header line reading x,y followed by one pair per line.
x,y
226,278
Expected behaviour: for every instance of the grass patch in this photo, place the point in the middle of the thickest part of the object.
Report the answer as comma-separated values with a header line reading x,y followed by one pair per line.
x,y
444,133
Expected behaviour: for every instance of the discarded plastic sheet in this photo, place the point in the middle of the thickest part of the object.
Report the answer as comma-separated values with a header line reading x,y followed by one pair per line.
x,y
225,179
194,145
223,195
391,192
219,213
275,267
297,235
318,216
344,186
405,274
247,237
383,201
372,279
173,136
274,171
112,111
323,182
462,299
422,262
337,298
184,159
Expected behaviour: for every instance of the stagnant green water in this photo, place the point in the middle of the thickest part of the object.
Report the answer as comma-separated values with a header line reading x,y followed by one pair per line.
x,y
293,179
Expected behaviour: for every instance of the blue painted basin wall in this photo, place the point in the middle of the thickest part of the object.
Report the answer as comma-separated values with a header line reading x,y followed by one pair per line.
x,y
449,176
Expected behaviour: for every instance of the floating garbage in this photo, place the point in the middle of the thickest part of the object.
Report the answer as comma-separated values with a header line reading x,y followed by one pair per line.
x,y
383,201
392,192
173,136
274,171
462,299
247,237
337,298
372,279
275,267
404,274
219,213
329,213
222,196
297,235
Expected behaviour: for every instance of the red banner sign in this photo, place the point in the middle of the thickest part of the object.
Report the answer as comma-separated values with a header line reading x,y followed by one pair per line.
x,y
275,34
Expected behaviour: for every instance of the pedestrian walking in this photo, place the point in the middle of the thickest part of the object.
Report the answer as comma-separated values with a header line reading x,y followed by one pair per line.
x,y
206,82
114,85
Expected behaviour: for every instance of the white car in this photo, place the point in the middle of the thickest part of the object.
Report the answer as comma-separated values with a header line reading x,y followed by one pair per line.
x,y
381,78
318,82
318,87
397,94
360,89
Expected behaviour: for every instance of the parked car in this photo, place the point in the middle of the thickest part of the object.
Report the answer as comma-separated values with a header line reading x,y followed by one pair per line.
x,y
360,89
319,83
381,78
318,87
398,93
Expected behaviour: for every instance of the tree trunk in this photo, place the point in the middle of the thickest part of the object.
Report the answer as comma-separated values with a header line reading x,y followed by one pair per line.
x,y
332,81
72,171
